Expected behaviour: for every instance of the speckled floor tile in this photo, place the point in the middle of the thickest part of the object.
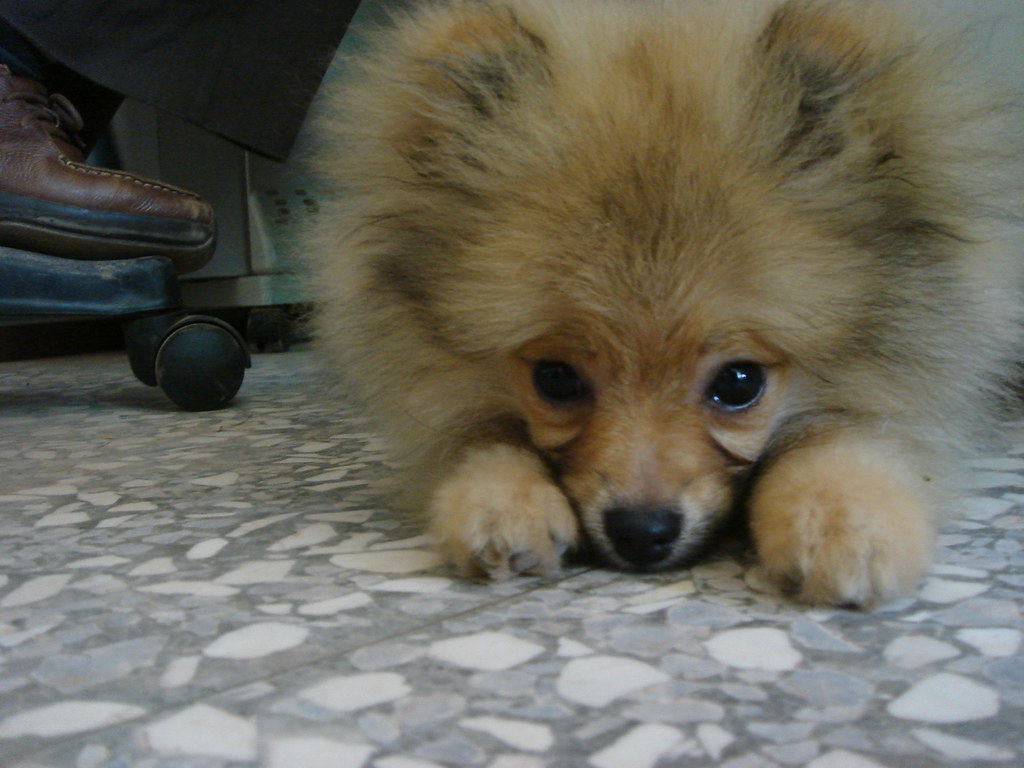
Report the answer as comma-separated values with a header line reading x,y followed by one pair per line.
x,y
230,589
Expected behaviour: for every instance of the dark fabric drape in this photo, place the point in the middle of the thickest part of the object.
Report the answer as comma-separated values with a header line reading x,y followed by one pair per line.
x,y
244,69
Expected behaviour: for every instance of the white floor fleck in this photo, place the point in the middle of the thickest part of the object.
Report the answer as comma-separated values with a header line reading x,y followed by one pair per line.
x,y
490,651
841,758
179,672
196,588
205,549
961,749
308,536
256,641
758,648
257,572
947,591
35,590
105,499
351,693
406,561
158,566
714,739
913,651
336,604
597,681
204,731
641,747
222,480
426,585
62,518
518,734
316,752
946,698
67,717
992,642
103,561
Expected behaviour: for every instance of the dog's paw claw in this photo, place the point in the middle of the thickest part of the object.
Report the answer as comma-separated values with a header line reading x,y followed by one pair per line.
x,y
498,565
526,562
853,607
790,583
500,515
854,588
849,540
851,567
561,546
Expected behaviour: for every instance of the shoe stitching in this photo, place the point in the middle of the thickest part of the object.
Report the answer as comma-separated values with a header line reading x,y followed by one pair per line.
x,y
105,172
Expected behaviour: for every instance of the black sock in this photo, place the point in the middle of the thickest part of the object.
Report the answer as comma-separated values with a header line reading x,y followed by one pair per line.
x,y
23,58
96,104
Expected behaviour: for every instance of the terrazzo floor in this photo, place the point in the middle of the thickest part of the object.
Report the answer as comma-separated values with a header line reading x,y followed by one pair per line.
x,y
229,589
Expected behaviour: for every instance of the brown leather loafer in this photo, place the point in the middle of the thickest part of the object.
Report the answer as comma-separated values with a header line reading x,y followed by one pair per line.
x,y
52,202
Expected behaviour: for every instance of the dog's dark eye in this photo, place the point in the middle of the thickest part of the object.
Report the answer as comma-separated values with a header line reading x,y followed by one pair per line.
x,y
559,383
737,386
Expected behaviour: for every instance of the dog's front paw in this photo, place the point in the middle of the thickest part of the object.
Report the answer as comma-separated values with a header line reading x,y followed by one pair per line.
x,y
841,524
499,514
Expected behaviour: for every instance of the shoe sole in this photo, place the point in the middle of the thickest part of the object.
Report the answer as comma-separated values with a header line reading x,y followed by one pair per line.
x,y
80,233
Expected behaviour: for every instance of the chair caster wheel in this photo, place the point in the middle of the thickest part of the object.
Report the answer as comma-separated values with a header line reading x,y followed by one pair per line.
x,y
200,363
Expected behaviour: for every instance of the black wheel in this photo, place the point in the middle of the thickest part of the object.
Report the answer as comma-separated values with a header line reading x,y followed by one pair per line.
x,y
201,363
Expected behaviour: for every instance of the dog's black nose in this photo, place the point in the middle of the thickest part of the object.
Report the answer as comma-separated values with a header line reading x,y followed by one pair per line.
x,y
643,536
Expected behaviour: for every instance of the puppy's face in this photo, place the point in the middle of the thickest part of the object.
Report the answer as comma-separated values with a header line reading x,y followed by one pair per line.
x,y
648,436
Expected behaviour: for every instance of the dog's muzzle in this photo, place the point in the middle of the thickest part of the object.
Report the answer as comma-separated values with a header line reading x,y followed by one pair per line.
x,y
643,537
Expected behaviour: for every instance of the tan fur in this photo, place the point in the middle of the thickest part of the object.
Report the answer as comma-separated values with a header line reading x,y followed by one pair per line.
x,y
840,520
649,192
499,513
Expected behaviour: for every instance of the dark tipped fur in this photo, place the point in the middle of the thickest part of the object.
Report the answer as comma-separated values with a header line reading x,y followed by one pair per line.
x,y
648,189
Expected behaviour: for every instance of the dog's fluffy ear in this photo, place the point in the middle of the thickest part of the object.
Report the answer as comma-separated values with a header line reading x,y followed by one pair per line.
x,y
464,67
821,68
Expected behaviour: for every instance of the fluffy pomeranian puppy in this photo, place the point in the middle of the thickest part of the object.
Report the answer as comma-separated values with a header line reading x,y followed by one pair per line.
x,y
607,270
